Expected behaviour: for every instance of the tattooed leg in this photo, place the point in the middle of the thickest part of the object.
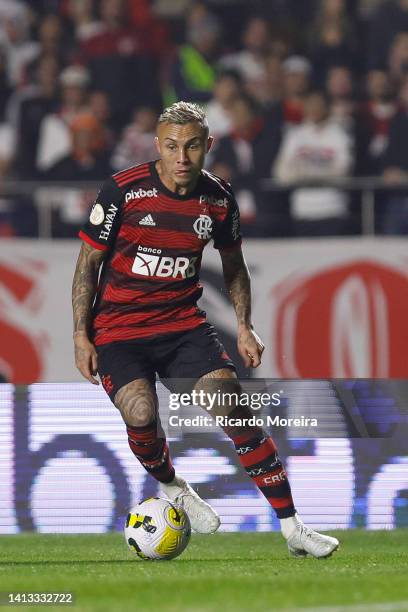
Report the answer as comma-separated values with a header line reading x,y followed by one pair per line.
x,y
138,405
224,381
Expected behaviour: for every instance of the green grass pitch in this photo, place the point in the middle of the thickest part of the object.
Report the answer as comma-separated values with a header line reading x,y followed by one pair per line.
x,y
220,573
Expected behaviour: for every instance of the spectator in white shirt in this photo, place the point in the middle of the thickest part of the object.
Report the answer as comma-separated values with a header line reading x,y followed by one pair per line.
x,y
137,141
317,149
228,86
14,38
55,131
250,61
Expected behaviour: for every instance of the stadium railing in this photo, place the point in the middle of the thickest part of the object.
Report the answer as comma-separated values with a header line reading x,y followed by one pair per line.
x,y
71,199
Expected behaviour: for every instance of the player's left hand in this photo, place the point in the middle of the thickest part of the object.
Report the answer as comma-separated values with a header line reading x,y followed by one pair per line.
x,y
250,347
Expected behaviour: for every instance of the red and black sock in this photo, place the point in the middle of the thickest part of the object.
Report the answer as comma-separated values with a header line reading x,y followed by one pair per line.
x,y
258,455
152,451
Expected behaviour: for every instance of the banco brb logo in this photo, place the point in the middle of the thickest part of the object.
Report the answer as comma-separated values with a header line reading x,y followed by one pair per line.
x,y
146,264
347,321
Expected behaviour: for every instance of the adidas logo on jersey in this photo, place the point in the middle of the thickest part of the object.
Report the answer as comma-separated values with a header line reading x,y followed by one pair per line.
x,y
141,193
147,220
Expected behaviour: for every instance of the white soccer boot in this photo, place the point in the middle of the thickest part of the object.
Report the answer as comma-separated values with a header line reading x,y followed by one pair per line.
x,y
303,540
203,518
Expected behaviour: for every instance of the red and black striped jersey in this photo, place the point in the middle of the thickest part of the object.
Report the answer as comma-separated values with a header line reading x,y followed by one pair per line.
x,y
149,284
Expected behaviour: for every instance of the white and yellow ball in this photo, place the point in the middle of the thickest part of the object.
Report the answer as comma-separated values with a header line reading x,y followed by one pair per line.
x,y
157,529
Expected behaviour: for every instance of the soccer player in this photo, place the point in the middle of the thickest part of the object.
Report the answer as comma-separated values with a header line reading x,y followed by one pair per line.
x,y
144,241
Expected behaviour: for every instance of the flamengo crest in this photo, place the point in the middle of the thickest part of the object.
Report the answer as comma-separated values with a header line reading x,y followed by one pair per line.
x,y
203,226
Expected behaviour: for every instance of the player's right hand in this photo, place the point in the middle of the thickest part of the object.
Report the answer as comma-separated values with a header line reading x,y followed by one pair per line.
x,y
86,359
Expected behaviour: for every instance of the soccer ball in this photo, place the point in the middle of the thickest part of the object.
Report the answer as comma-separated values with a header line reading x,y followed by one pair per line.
x,y
157,529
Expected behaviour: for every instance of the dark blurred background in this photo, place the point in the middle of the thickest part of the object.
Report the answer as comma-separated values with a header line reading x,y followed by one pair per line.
x,y
308,102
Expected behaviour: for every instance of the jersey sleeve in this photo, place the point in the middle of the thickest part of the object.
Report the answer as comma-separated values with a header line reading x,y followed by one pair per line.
x,y
227,234
103,221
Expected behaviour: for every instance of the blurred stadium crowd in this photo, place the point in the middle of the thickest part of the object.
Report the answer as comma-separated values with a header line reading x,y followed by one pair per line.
x,y
305,93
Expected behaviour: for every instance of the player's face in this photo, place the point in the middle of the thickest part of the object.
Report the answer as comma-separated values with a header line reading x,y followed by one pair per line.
x,y
182,151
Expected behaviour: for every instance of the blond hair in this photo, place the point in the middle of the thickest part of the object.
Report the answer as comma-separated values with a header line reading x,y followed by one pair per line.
x,y
181,113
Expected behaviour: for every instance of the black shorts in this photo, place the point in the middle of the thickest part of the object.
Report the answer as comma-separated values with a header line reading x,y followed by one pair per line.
x,y
183,355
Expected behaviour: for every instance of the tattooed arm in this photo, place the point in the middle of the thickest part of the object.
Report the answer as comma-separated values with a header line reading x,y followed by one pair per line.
x,y
83,294
238,284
